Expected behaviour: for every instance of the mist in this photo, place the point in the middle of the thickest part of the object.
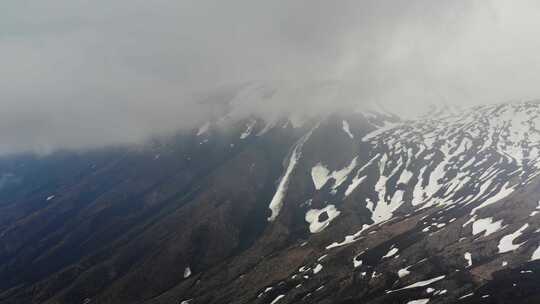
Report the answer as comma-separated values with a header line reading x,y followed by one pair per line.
x,y
81,74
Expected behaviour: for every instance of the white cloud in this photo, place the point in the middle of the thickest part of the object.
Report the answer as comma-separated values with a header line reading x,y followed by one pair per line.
x,y
89,73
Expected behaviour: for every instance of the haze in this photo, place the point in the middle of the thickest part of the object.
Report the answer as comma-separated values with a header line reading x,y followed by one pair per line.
x,y
80,74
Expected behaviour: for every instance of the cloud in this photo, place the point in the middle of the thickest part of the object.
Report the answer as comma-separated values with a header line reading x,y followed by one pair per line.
x,y
79,74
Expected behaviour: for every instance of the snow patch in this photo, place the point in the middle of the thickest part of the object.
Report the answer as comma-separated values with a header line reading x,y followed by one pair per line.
x,y
419,301
506,243
357,263
468,257
317,268
249,128
347,129
359,178
536,254
312,217
355,183
420,284
391,253
320,174
187,272
277,201
384,210
486,225
203,129
403,272
277,299
466,296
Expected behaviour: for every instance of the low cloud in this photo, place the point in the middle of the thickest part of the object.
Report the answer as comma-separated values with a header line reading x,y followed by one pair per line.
x,y
80,74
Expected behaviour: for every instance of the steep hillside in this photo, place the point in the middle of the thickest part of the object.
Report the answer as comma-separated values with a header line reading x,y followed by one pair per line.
x,y
362,207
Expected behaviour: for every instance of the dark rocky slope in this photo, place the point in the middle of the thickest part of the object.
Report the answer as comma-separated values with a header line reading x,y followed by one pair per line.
x,y
357,208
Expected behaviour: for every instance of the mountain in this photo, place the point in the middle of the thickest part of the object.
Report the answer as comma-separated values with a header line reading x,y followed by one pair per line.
x,y
362,207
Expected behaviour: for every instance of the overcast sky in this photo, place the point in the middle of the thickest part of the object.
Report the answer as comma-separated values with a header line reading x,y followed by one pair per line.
x,y
89,73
